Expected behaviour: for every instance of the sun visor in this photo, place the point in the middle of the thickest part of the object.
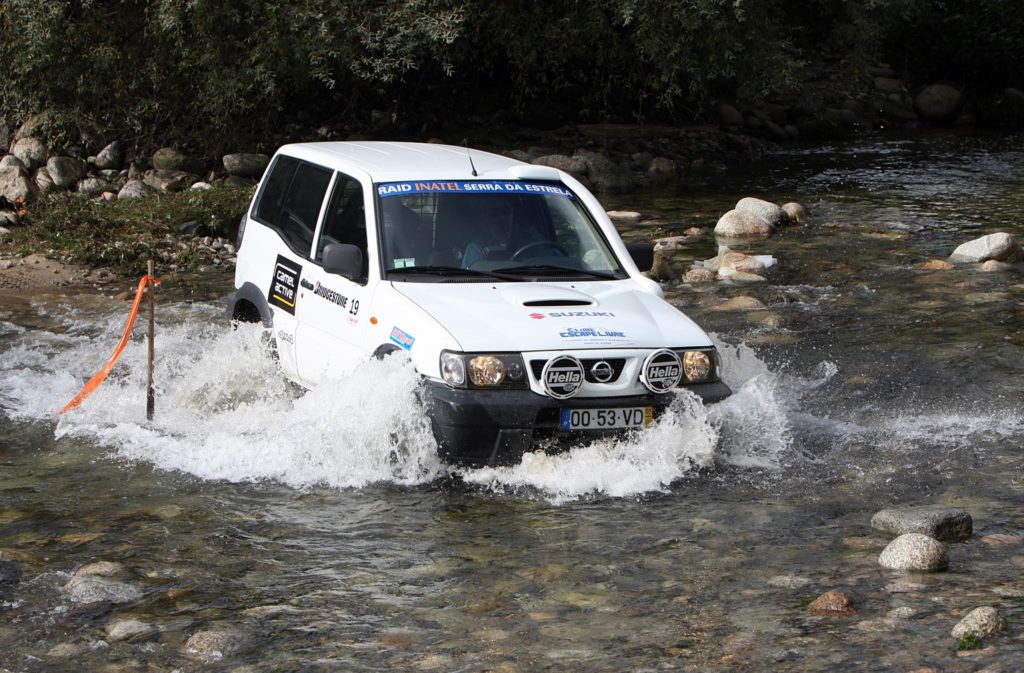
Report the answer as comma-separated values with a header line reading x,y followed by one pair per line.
x,y
532,172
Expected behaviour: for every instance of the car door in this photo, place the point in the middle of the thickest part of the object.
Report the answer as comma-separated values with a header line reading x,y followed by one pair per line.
x,y
331,310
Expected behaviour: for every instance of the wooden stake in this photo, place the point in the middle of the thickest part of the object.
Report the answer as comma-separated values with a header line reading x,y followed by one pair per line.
x,y
150,396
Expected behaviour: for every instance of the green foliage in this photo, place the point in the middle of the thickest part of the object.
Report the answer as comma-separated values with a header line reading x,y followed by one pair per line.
x,y
969,641
220,73
122,235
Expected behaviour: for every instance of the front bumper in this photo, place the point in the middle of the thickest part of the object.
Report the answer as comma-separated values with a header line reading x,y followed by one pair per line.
x,y
488,427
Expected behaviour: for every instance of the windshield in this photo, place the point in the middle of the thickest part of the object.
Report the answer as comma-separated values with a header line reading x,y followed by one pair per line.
x,y
488,229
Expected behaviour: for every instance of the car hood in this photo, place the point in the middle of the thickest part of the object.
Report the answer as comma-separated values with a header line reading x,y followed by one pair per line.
x,y
553,316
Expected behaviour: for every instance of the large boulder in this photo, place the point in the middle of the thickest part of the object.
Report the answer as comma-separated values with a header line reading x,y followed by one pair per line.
x,y
246,165
766,210
34,125
914,551
134,189
31,151
982,622
170,159
16,185
739,224
93,187
110,157
11,161
729,115
948,524
573,165
661,170
937,102
43,180
65,171
605,174
999,246
169,181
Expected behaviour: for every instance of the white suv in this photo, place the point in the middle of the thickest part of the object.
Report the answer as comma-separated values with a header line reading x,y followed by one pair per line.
x,y
505,283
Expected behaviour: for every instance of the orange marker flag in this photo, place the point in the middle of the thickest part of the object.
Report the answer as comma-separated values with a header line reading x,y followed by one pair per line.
x,y
102,374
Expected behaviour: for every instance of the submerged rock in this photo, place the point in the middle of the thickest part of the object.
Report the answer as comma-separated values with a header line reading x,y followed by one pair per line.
x,y
739,224
937,102
129,629
741,303
699,276
999,246
102,569
766,210
934,265
948,524
982,622
831,603
97,589
212,646
795,211
914,551
10,575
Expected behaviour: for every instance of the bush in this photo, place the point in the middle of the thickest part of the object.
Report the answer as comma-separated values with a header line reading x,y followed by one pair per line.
x,y
122,235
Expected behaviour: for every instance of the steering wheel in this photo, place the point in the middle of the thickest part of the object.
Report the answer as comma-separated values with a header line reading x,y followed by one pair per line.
x,y
551,245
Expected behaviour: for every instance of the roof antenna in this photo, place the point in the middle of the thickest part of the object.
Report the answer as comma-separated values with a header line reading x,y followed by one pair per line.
x,y
466,143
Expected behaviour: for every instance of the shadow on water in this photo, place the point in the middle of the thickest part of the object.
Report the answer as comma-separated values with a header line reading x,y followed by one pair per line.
x,y
322,531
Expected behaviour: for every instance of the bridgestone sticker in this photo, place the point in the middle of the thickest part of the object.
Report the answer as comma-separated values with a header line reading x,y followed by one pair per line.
x,y
285,284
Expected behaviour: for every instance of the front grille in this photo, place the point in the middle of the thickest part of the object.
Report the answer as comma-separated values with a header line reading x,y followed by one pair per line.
x,y
537,366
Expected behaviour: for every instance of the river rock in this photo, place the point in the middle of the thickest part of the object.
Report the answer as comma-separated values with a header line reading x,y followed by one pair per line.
x,y
246,165
573,165
671,242
605,174
624,215
741,303
699,276
982,622
31,151
34,125
110,157
948,524
934,265
937,102
96,589
129,629
996,266
11,161
889,85
794,211
738,224
92,186
134,189
729,115
999,246
101,569
16,185
65,171
831,603
212,646
661,171
745,277
661,269
914,551
766,210
169,180
170,159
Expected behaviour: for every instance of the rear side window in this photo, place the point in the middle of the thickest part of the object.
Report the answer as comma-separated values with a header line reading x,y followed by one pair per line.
x,y
291,199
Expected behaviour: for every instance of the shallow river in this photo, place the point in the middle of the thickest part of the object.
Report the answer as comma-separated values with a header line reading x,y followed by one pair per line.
x,y
319,530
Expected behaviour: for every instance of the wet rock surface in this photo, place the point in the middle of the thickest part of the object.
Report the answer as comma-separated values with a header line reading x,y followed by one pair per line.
x,y
99,589
947,524
914,551
982,622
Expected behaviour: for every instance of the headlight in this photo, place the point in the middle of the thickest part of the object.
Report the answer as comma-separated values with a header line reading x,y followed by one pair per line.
x,y
697,366
485,370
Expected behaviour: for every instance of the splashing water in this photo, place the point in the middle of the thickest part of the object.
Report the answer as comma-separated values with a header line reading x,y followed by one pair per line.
x,y
226,412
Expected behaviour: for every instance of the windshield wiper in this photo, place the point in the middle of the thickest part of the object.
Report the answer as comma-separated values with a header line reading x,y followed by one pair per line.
x,y
555,270
431,270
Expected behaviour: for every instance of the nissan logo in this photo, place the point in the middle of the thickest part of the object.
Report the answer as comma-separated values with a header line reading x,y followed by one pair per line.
x,y
562,377
602,371
662,371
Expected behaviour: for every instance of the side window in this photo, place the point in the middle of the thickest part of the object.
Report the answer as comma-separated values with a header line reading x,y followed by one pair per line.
x,y
291,201
345,220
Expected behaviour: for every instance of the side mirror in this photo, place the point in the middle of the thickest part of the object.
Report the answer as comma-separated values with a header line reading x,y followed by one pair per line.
x,y
344,260
642,254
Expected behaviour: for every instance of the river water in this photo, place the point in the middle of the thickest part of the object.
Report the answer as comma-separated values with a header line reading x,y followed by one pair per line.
x,y
322,532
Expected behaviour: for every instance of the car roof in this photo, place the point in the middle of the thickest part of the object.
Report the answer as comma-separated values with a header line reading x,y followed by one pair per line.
x,y
396,161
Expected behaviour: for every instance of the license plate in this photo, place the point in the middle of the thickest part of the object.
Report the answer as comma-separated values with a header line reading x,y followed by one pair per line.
x,y
606,419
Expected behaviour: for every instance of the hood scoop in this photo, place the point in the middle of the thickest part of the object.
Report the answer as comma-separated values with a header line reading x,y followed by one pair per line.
x,y
558,302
